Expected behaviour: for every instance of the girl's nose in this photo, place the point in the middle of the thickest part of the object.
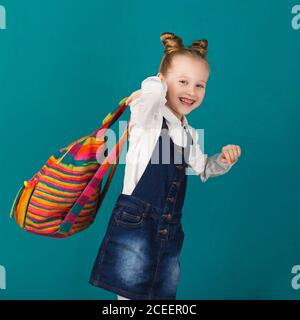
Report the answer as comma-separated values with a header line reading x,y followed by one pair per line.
x,y
191,92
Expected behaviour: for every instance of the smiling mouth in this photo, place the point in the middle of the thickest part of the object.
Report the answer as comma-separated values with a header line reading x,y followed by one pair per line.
x,y
187,102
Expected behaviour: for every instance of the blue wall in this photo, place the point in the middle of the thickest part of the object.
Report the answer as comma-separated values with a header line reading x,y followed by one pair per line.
x,y
65,64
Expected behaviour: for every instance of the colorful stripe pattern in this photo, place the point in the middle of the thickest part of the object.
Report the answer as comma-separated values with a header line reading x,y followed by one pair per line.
x,y
64,197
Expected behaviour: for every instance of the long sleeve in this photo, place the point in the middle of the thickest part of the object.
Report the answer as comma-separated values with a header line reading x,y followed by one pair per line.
x,y
146,108
204,166
214,167
144,129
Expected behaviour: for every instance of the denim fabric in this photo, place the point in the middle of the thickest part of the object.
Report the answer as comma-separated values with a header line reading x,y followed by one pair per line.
x,y
139,255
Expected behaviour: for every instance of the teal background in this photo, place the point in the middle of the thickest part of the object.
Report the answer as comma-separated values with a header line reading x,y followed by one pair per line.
x,y
65,64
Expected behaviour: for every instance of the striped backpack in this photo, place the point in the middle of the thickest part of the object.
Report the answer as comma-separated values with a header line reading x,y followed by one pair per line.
x,y
64,197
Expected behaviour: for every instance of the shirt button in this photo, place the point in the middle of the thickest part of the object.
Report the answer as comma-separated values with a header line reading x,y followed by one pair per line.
x,y
163,231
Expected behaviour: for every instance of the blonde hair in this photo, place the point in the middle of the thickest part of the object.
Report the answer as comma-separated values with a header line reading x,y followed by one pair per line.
x,y
173,46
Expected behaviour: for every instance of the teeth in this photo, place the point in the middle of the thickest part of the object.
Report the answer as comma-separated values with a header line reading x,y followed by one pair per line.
x,y
187,100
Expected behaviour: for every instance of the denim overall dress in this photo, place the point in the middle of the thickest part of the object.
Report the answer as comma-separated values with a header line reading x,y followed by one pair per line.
x,y
139,254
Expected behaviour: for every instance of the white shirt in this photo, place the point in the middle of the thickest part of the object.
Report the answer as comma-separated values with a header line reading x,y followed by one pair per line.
x,y
146,119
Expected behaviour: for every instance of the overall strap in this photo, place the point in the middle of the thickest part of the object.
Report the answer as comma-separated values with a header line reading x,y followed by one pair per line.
x,y
164,124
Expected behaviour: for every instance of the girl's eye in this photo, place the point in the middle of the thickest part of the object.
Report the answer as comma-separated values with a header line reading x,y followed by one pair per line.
x,y
184,81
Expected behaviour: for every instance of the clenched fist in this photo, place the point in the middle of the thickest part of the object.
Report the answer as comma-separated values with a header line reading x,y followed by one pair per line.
x,y
230,153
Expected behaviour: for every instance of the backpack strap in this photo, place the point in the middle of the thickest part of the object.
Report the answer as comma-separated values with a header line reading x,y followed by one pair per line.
x,y
93,186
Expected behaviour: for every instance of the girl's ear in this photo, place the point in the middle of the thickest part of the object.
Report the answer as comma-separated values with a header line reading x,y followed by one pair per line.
x,y
161,77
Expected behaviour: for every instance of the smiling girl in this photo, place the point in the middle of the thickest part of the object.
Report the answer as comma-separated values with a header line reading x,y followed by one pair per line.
x,y
139,255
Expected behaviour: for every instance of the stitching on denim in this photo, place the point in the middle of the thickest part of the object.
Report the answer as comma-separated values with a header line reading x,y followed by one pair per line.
x,y
129,224
157,264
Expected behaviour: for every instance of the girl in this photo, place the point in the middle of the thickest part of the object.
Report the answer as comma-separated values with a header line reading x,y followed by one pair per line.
x,y
139,254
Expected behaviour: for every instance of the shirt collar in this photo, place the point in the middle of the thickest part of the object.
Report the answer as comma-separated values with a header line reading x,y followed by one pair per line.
x,y
172,119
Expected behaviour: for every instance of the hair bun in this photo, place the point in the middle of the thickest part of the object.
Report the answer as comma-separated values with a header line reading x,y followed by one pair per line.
x,y
200,46
171,42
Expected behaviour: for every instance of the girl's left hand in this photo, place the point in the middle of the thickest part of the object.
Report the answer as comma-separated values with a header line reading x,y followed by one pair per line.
x,y
230,153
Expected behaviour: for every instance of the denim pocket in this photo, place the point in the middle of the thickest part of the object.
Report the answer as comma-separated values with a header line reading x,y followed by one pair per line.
x,y
128,216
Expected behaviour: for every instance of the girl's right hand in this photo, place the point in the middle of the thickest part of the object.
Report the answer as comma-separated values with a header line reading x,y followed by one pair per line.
x,y
136,94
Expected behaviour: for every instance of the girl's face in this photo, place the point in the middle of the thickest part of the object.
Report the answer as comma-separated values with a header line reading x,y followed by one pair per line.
x,y
186,78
